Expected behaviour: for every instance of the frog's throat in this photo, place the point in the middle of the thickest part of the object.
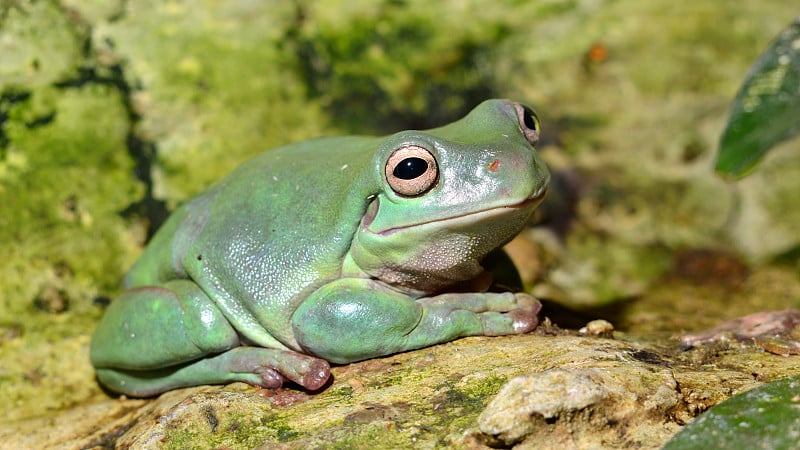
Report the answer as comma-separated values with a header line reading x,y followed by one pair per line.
x,y
529,203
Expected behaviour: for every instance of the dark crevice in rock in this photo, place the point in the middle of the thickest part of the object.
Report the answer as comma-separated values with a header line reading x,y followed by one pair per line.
x,y
109,440
9,97
153,210
149,207
41,121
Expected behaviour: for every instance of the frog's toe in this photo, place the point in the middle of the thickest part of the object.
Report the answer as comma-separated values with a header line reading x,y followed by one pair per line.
x,y
270,378
523,320
528,303
317,374
277,366
517,321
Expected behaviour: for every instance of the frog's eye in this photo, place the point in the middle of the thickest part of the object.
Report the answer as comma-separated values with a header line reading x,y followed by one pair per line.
x,y
411,170
528,123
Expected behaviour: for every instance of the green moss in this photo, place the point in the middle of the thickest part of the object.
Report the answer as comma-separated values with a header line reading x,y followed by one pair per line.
x,y
466,400
31,56
373,437
278,427
396,375
66,180
484,388
65,175
211,93
344,392
238,429
368,71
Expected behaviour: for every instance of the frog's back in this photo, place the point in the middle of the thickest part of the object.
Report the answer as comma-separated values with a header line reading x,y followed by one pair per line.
x,y
276,226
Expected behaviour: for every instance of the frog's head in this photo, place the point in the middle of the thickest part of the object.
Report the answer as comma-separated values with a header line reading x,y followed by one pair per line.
x,y
450,195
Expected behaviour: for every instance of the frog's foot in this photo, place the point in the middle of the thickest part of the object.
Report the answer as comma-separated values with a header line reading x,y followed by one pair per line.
x,y
259,366
520,317
269,368
500,314
776,331
355,319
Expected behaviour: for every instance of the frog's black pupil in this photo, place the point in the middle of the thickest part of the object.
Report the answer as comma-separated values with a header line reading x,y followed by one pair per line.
x,y
530,122
410,168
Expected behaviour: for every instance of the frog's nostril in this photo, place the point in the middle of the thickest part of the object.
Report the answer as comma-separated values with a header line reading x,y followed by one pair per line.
x,y
494,166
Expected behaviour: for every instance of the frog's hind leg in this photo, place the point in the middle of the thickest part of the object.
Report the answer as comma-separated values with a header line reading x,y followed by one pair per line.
x,y
254,365
153,339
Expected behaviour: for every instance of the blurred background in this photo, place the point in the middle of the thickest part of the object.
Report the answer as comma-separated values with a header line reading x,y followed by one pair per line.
x,y
112,113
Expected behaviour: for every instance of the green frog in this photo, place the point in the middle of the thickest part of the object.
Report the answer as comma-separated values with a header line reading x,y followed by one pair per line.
x,y
331,250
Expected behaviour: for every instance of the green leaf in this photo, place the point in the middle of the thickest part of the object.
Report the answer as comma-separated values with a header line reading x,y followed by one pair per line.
x,y
767,417
766,109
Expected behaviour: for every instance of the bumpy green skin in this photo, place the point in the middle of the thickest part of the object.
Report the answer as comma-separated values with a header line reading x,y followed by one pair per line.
x,y
306,255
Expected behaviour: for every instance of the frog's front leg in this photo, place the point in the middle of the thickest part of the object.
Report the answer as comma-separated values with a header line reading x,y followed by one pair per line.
x,y
354,319
153,339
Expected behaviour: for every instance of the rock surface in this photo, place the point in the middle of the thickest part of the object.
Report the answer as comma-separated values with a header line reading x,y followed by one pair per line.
x,y
609,406
537,391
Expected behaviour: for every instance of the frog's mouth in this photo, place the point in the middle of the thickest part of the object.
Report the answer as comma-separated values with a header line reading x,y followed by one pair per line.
x,y
525,206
